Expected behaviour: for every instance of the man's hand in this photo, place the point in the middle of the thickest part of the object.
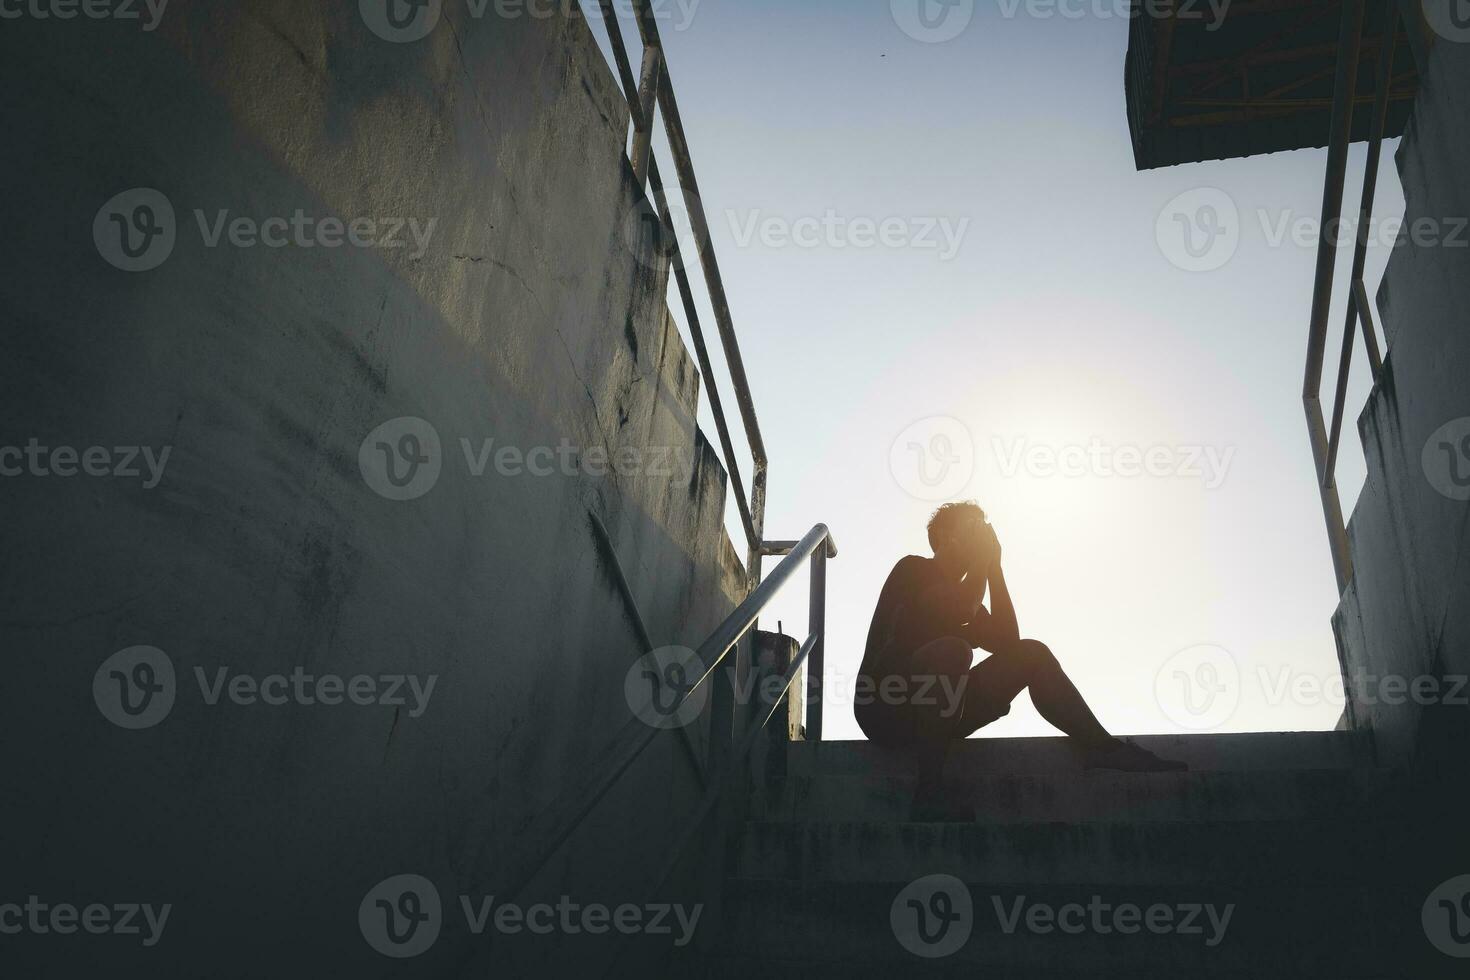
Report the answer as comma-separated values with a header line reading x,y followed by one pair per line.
x,y
998,630
985,559
995,548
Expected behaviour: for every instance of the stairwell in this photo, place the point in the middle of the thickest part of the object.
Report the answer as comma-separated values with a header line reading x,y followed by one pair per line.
x,y
1276,855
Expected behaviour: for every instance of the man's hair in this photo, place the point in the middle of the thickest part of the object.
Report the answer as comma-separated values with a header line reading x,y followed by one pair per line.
x,y
942,522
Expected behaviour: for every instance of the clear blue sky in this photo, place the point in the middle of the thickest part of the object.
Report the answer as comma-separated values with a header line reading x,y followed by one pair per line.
x,y
1060,321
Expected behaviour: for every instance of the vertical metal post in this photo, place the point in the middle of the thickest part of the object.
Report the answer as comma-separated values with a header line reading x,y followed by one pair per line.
x,y
620,55
649,81
1360,307
816,626
1370,332
1344,93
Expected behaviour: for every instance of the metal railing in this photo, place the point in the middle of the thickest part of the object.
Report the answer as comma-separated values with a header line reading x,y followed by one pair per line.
x,y
730,743
649,94
1325,441
558,822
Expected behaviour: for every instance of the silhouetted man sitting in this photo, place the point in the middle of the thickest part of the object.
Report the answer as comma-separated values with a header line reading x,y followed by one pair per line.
x,y
923,692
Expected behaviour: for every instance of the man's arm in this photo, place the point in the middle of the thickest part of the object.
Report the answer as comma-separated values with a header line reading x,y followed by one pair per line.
x,y
954,602
996,629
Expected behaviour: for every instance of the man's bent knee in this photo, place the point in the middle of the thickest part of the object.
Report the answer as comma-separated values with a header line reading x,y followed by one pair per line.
x,y
1036,650
1033,654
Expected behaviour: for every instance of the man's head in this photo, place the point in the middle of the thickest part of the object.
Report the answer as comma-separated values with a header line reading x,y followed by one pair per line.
x,y
958,533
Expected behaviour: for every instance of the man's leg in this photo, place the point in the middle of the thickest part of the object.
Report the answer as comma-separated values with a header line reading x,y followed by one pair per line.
x,y
939,674
994,683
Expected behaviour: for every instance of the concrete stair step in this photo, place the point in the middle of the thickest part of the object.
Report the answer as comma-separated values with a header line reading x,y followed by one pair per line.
x,y
1272,927
1325,851
743,968
1254,752
1012,798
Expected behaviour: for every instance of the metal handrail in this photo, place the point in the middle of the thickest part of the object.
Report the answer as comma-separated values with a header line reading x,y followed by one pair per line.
x,y
560,820
652,89
1325,442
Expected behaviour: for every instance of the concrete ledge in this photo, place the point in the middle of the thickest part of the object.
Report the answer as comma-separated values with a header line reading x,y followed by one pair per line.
x,y
1020,798
847,926
1324,852
1242,753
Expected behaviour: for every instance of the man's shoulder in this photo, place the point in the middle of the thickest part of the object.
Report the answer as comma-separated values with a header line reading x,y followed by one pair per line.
x,y
909,566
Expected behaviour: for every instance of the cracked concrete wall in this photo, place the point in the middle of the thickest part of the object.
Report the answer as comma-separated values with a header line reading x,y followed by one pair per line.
x,y
523,307
1405,614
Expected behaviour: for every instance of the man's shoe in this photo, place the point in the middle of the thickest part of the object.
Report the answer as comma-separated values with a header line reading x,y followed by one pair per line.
x,y
1124,756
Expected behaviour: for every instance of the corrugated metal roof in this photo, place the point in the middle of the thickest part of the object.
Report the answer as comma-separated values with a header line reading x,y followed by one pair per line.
x,y
1256,79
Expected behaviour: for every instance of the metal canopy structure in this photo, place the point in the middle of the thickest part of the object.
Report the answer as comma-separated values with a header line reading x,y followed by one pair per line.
x,y
1257,79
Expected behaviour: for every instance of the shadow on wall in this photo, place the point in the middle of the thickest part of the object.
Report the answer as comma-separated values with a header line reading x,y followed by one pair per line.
x,y
279,561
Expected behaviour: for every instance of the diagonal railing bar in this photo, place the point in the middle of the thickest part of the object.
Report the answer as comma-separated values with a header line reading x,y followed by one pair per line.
x,y
560,820
720,786
727,782
1345,87
1357,309
1327,440
650,77
701,352
1370,331
713,280
653,87
620,57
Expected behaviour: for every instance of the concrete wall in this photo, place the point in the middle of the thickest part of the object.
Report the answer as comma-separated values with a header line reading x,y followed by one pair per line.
x,y
1406,613
532,316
